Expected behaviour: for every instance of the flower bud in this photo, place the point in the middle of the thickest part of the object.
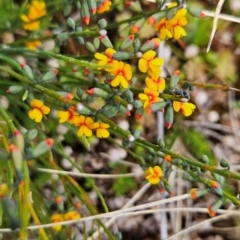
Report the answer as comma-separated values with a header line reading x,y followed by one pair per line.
x,y
174,79
81,41
139,113
167,158
150,44
204,159
83,109
168,172
137,104
96,43
71,23
136,44
156,18
123,110
224,163
92,6
25,95
128,95
79,92
105,41
125,32
27,71
42,147
154,107
16,156
90,47
4,155
61,37
195,12
11,210
110,110
15,89
168,116
66,95
98,92
161,144
49,75
135,27
188,177
169,189
136,133
196,193
218,178
178,162
212,211
85,12
126,143
102,23
31,134
134,6
122,55
127,42
18,139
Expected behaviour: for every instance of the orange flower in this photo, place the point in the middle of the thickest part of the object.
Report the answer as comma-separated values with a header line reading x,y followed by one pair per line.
x,y
69,115
164,29
36,10
101,129
38,110
154,174
85,125
148,97
122,75
185,108
104,6
148,62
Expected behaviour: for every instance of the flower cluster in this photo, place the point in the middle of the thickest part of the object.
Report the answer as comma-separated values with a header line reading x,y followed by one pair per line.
x,y
72,215
120,72
85,125
36,10
171,28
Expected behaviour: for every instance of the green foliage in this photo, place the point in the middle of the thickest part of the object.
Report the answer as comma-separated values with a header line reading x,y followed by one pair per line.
x,y
197,144
122,186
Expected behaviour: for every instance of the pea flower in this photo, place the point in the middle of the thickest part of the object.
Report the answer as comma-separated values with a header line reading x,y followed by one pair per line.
x,y
69,115
149,97
32,45
106,61
72,215
38,110
153,175
56,217
148,62
164,29
184,107
104,6
85,126
101,129
36,10
155,83
122,75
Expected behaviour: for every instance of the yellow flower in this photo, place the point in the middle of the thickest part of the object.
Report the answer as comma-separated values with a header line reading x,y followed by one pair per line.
x,y
85,126
104,6
155,83
36,10
33,44
148,62
122,75
69,115
184,107
106,61
154,174
38,110
149,97
163,28
72,215
101,129
57,218
177,23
